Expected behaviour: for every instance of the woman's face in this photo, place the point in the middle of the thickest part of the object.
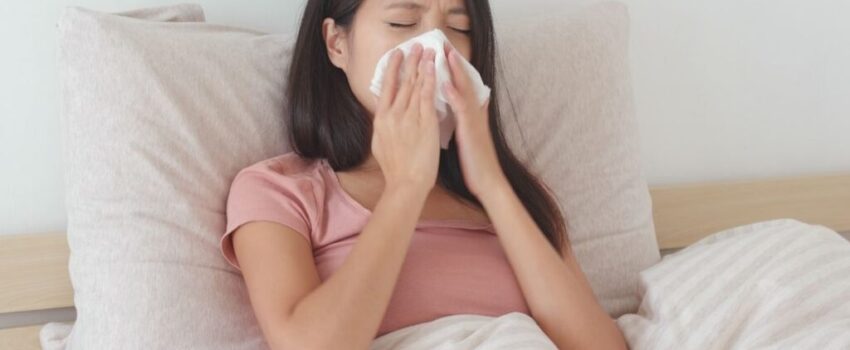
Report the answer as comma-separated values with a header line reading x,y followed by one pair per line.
x,y
380,25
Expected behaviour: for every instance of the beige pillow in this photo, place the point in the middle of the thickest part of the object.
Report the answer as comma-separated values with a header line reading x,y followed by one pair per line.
x,y
160,111
567,74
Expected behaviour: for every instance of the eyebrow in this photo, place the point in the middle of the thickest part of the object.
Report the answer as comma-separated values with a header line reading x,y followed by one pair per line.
x,y
410,5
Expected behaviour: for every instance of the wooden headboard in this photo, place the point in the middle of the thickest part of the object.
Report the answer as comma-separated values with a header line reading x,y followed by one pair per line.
x,y
685,213
34,273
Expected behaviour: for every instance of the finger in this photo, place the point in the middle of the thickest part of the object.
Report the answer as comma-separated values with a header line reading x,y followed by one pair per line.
x,y
447,47
460,78
403,96
388,86
427,108
456,101
420,80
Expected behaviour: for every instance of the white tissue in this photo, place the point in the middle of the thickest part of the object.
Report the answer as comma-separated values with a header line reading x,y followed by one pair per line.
x,y
435,40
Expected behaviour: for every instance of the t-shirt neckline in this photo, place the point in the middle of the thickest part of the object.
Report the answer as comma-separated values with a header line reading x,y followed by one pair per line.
x,y
350,201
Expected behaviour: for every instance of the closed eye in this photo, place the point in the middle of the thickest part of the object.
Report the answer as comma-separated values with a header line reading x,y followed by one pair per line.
x,y
402,25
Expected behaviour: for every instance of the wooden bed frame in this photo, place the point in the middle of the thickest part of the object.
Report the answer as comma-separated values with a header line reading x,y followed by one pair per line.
x,y
34,273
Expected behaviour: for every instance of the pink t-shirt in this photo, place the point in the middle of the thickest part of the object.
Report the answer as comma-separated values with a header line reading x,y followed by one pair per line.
x,y
452,266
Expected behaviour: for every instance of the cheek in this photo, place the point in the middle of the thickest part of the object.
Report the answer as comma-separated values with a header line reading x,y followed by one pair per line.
x,y
360,78
464,47
466,53
363,62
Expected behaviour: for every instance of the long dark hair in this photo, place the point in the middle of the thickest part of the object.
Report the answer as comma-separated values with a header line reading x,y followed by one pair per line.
x,y
327,121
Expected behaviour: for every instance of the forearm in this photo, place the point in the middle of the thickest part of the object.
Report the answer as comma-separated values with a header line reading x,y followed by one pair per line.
x,y
557,292
346,310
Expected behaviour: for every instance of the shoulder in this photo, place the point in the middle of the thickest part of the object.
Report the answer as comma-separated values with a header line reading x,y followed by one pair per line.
x,y
285,188
286,175
285,166
288,172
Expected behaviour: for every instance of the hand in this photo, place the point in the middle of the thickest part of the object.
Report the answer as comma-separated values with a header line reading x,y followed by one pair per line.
x,y
405,136
477,153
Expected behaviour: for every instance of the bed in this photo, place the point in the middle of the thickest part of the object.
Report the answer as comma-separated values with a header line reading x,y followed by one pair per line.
x,y
133,172
34,274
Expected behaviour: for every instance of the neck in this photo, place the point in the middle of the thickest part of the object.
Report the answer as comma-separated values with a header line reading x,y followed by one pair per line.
x,y
369,165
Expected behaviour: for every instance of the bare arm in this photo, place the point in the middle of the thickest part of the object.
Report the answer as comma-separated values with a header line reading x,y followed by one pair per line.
x,y
295,310
558,293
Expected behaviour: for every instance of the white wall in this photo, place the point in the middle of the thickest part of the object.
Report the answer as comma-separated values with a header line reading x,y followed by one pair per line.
x,y
732,89
725,89
32,197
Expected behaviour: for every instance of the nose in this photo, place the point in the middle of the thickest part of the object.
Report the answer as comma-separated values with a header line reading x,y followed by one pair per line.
x,y
447,44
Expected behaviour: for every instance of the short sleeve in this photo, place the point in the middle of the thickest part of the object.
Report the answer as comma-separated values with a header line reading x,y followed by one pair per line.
x,y
260,194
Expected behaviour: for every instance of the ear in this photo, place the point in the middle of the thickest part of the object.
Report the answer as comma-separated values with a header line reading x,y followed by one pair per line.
x,y
335,43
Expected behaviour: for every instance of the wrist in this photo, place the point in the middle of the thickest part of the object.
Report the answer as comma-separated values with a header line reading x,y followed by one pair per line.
x,y
495,191
409,192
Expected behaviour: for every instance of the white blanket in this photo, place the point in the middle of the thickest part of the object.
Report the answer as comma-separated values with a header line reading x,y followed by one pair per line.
x,y
779,284
512,331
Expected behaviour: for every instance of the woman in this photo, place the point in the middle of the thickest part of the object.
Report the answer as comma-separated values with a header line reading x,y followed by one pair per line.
x,y
368,226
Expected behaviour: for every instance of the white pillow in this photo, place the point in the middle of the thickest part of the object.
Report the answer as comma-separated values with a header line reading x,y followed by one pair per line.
x,y
567,73
161,110
157,118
